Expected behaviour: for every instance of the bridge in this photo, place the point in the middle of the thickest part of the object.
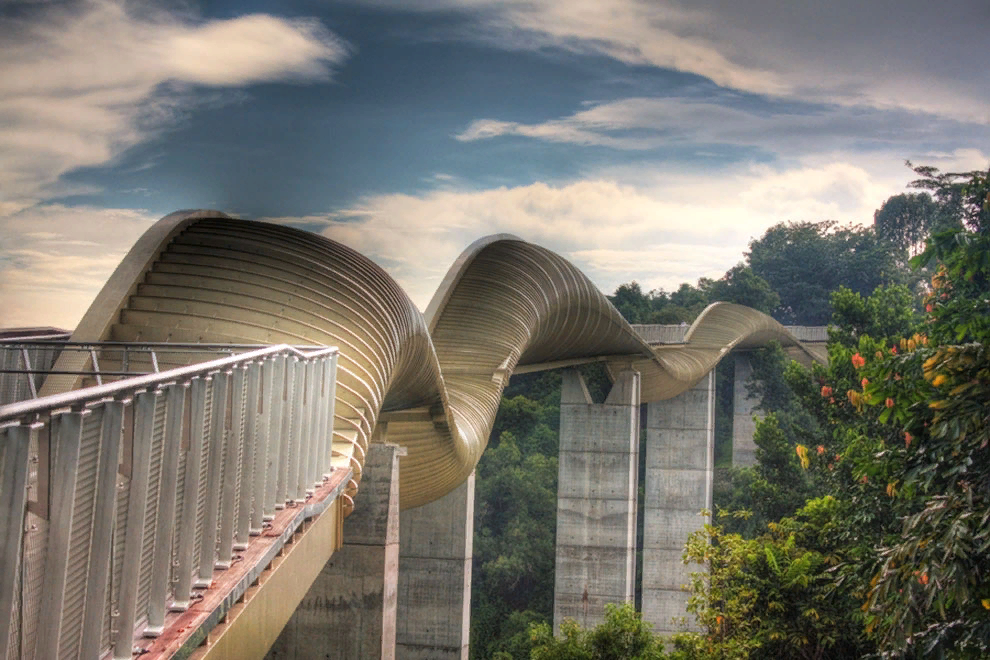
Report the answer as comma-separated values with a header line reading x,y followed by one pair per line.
x,y
214,463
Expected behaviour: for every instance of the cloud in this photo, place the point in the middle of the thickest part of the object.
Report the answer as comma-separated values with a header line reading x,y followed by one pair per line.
x,y
83,82
54,259
917,58
665,229
637,124
658,225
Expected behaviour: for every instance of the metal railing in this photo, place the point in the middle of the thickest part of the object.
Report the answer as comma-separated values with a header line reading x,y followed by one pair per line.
x,y
674,334
23,363
119,501
26,361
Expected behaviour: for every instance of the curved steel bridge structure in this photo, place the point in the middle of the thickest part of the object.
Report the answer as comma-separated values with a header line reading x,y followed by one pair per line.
x,y
433,379
205,497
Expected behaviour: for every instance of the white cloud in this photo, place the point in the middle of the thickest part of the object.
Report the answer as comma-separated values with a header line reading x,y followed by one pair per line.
x,y
54,260
82,83
666,229
649,123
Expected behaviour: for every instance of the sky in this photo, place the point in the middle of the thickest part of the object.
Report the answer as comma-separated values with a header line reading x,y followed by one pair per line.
x,y
646,140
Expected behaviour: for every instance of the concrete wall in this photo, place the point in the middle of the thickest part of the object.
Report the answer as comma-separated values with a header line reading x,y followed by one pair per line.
x,y
436,541
680,445
596,499
743,426
350,610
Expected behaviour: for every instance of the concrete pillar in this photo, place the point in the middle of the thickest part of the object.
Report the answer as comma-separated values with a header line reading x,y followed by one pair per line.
x,y
743,410
596,499
436,541
680,453
350,610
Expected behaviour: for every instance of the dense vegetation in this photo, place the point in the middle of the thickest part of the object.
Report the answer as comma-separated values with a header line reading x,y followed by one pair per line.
x,y
863,530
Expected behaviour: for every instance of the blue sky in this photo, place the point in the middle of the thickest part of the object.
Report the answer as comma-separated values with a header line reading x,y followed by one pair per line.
x,y
643,139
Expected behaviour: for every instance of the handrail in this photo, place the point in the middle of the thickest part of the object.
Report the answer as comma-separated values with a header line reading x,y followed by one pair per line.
x,y
79,398
138,345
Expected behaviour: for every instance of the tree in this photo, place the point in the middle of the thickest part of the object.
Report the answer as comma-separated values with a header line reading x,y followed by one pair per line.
x,y
623,636
742,286
930,593
772,597
634,305
657,306
804,262
888,313
515,528
906,220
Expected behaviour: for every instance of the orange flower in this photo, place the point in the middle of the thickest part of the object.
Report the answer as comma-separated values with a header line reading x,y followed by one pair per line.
x,y
889,402
826,391
858,360
923,579
893,350
928,308
864,383
907,439
821,450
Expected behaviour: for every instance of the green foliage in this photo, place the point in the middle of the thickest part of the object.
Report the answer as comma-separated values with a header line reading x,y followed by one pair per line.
x,y
515,526
903,446
658,306
931,591
962,197
906,221
888,314
623,636
780,485
742,286
771,596
804,262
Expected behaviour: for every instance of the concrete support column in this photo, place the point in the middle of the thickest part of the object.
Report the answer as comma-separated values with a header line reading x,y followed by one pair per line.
x,y
435,552
350,610
743,410
680,451
596,499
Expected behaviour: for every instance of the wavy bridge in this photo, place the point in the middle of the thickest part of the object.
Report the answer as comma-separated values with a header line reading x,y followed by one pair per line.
x,y
214,463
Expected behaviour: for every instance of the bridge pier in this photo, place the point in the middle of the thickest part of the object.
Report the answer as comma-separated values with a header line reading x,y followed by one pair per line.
x,y
596,499
434,595
680,446
350,610
743,410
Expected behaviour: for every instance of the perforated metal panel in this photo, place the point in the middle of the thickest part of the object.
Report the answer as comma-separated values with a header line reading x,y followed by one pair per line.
x,y
203,475
80,540
151,508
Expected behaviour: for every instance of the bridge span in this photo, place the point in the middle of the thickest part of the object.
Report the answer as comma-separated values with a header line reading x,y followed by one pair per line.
x,y
187,511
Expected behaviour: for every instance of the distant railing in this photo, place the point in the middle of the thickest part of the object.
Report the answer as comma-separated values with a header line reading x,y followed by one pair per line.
x,y
674,334
23,363
118,501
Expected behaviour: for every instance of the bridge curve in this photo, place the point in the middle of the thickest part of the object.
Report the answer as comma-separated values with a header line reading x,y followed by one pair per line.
x,y
430,382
